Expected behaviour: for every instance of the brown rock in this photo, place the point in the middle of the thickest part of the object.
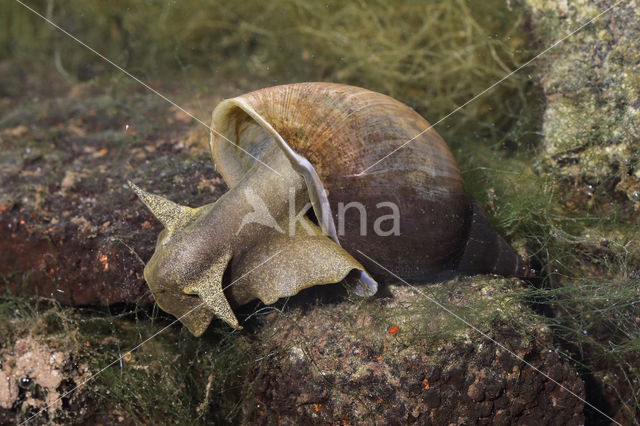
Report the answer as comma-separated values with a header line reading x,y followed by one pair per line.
x,y
70,229
476,392
365,376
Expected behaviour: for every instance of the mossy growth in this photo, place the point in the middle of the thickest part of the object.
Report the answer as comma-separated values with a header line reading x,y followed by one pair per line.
x,y
588,264
443,314
135,367
432,55
592,119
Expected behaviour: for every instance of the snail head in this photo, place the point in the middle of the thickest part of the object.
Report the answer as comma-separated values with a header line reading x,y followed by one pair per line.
x,y
211,257
185,272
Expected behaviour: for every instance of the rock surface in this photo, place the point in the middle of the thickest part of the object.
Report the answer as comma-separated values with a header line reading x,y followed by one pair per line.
x,y
591,125
35,376
70,228
397,359
590,151
388,364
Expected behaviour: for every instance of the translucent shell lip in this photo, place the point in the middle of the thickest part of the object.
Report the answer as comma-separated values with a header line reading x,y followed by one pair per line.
x,y
315,188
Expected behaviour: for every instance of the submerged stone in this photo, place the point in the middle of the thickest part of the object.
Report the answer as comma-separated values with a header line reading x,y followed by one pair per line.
x,y
591,80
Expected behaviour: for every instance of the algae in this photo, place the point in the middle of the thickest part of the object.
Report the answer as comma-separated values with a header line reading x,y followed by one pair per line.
x,y
592,83
432,55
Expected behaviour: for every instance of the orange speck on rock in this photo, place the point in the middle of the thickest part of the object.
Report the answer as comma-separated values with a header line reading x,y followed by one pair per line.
x,y
3,208
21,221
103,259
394,329
317,407
425,384
87,344
51,271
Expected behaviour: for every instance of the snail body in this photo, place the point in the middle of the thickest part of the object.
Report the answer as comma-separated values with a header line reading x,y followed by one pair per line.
x,y
280,147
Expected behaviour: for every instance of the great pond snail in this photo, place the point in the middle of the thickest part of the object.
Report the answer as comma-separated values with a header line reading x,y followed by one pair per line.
x,y
282,148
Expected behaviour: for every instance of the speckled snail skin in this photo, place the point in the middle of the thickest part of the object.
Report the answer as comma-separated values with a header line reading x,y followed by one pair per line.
x,y
317,139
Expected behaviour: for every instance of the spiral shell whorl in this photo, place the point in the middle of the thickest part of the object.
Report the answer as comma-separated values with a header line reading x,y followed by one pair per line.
x,y
342,130
346,128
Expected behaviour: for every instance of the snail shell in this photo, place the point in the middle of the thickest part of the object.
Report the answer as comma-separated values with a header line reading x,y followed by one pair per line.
x,y
317,141
342,130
